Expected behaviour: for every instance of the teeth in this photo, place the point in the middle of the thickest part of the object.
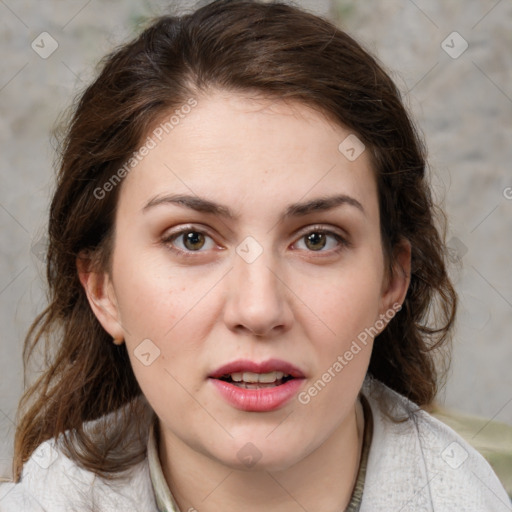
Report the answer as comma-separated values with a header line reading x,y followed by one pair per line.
x,y
270,377
257,377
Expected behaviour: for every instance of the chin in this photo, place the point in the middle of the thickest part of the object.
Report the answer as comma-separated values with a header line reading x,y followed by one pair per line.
x,y
251,456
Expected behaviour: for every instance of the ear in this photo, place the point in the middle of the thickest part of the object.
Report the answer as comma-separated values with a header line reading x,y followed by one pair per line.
x,y
100,293
395,286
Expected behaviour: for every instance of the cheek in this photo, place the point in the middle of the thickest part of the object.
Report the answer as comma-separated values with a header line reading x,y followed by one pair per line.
x,y
350,323
172,306
172,321
342,352
349,299
348,305
152,296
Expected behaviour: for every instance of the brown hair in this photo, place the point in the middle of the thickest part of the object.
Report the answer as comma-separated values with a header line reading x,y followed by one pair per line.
x,y
272,49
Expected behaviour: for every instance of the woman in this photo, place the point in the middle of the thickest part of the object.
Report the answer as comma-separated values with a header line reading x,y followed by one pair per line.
x,y
247,285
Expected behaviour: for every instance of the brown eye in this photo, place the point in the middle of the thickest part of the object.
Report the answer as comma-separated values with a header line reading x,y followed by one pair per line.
x,y
322,240
316,240
189,242
193,240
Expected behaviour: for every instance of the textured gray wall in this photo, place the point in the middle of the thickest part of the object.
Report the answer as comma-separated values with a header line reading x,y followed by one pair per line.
x,y
462,103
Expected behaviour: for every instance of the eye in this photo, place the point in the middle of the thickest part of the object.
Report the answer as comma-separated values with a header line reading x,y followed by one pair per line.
x,y
317,239
192,241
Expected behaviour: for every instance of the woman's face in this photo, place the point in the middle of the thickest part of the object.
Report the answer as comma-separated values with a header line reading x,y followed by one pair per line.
x,y
270,263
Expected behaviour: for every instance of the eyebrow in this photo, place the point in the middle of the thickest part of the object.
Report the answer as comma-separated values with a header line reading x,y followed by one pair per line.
x,y
293,210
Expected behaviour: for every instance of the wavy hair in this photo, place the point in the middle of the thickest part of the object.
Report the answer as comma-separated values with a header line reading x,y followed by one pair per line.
x,y
281,52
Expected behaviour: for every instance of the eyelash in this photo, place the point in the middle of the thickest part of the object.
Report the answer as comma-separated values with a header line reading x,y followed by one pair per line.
x,y
343,243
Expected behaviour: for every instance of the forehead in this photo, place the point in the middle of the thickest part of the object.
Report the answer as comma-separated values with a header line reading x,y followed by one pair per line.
x,y
248,151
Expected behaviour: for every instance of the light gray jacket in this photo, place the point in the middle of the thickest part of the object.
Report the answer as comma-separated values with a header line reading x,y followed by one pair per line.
x,y
419,465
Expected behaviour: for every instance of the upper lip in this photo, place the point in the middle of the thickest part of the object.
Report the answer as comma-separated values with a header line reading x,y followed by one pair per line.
x,y
270,365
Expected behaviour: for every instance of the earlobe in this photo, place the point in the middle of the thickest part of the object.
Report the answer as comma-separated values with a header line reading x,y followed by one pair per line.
x,y
395,289
100,293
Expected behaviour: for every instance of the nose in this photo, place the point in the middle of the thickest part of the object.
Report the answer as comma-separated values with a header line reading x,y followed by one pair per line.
x,y
259,298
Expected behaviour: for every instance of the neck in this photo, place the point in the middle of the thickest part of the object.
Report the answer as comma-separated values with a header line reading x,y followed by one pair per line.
x,y
200,483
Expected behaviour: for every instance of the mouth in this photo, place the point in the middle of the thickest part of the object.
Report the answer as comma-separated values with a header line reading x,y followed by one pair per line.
x,y
271,372
257,387
250,380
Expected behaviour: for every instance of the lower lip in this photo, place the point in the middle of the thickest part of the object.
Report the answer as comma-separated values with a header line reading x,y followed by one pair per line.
x,y
258,400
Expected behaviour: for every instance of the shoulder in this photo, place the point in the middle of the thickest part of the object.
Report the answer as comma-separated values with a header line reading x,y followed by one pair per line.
x,y
419,463
52,482
491,438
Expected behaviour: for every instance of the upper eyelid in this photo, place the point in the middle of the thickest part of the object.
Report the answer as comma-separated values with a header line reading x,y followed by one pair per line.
x,y
323,227
306,229
331,230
